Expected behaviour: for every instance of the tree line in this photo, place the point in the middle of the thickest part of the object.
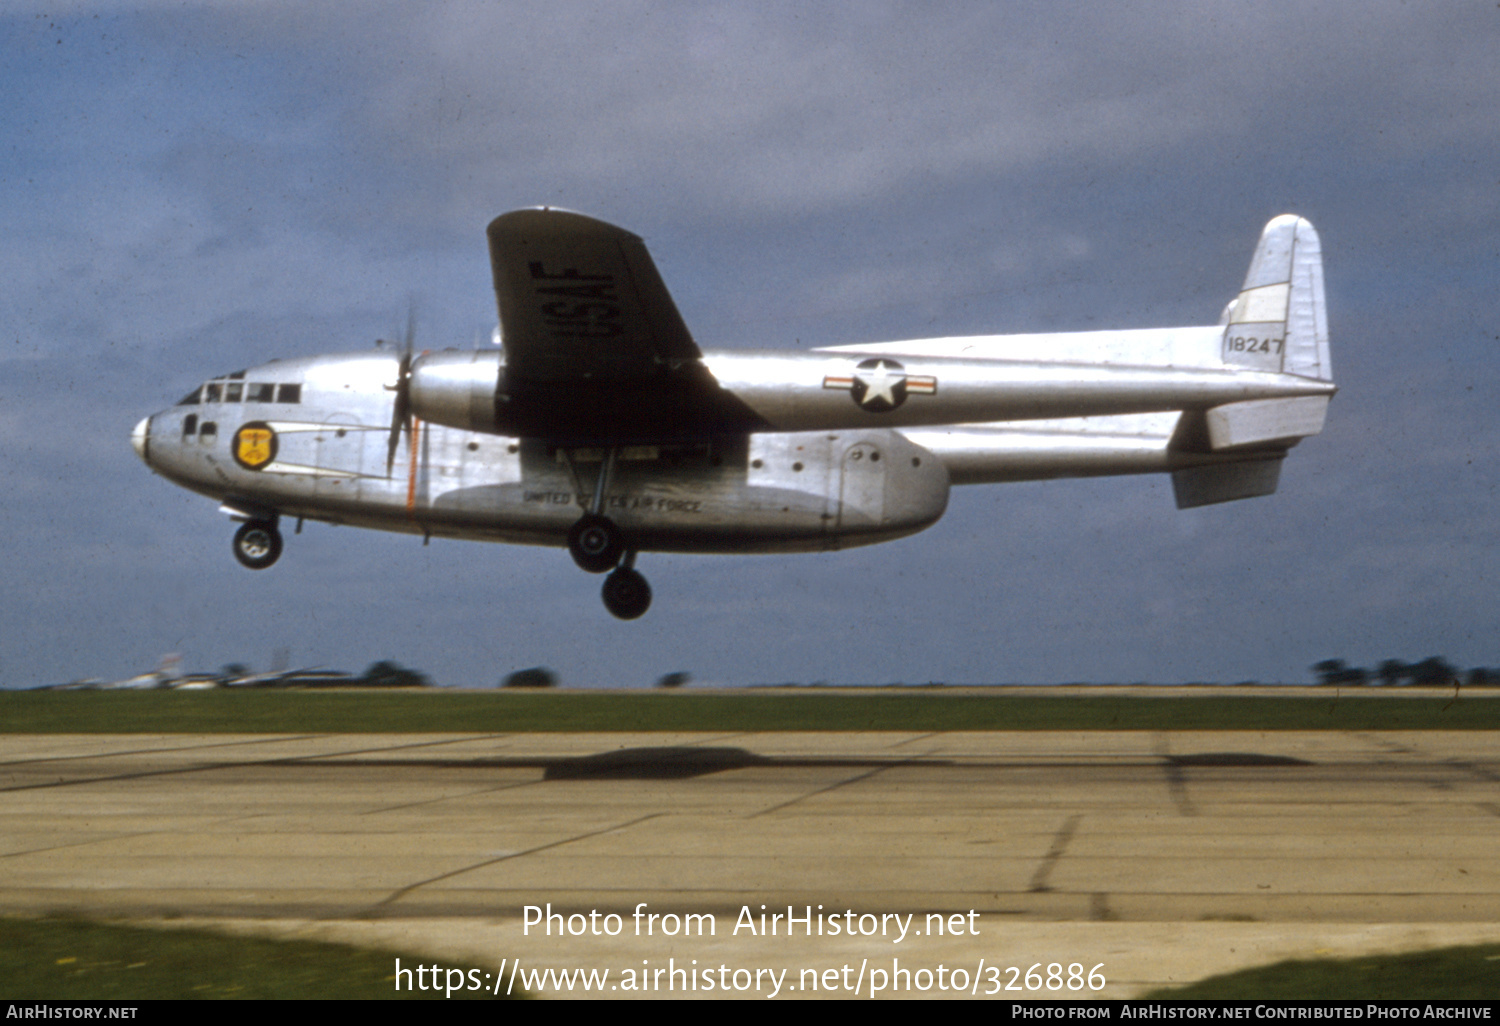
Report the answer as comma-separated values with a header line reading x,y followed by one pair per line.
x,y
1434,671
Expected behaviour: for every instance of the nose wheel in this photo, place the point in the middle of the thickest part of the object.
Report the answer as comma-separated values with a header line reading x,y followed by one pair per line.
x,y
257,544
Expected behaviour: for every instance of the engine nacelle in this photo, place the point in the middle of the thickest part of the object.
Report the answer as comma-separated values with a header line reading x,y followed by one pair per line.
x,y
456,388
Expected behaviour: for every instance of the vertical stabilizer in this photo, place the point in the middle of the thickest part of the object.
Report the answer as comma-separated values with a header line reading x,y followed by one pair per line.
x,y
1279,322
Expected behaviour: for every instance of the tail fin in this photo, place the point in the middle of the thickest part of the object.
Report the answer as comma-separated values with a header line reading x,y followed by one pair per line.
x,y
1279,322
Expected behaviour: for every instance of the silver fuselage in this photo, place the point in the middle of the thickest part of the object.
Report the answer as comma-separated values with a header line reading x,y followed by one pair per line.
x,y
853,446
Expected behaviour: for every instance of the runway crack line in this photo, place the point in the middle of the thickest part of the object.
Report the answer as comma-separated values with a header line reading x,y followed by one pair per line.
x,y
404,891
452,797
919,737
285,760
1055,852
140,775
395,748
156,751
1176,777
716,738
81,844
831,787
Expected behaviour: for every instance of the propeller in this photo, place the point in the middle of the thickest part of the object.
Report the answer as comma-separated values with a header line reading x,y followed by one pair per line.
x,y
401,408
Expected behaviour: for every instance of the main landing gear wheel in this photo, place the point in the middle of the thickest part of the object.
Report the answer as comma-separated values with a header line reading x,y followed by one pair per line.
x,y
626,593
257,544
595,544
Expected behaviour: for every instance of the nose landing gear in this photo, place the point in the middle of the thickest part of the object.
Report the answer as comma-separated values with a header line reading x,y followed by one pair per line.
x,y
257,544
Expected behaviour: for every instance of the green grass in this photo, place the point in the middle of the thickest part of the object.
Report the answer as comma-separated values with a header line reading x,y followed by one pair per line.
x,y
249,712
57,959
1458,974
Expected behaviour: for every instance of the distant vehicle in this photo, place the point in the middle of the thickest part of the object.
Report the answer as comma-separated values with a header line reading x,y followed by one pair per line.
x,y
197,682
166,675
309,676
169,676
601,426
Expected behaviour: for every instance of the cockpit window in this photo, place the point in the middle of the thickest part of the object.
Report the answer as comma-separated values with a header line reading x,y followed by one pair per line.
x,y
226,391
236,376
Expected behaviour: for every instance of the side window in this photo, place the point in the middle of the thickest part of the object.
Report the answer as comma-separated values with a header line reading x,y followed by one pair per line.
x,y
289,394
208,432
260,393
189,425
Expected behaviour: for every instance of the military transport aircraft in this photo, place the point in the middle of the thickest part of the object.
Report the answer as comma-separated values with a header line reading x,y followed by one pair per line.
x,y
600,425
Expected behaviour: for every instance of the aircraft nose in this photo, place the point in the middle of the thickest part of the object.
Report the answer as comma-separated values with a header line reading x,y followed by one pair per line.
x,y
140,439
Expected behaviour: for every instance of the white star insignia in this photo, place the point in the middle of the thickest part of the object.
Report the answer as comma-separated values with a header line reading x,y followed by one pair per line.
x,y
879,383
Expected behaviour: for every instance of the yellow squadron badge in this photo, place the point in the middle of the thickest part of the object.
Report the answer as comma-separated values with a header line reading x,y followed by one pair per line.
x,y
254,445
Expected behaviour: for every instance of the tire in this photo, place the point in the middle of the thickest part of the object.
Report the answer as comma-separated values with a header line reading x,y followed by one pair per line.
x,y
626,594
257,544
595,543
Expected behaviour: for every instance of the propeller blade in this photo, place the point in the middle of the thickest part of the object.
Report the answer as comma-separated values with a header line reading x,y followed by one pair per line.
x,y
401,407
400,410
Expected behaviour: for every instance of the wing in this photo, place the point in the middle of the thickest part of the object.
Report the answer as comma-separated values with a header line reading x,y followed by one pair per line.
x,y
595,350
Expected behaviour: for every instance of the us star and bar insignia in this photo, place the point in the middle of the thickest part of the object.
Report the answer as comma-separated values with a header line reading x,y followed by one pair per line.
x,y
880,385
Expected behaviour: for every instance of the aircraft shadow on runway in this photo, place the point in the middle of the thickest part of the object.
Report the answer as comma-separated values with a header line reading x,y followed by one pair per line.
x,y
678,762
1234,759
684,761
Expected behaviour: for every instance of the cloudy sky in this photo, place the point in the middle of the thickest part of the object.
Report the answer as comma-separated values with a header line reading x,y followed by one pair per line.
x,y
190,188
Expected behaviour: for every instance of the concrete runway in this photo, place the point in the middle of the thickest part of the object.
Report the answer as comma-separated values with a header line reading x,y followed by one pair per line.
x,y
1164,856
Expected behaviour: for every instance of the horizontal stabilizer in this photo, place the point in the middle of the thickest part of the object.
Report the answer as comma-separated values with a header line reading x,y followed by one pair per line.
x,y
1265,421
1225,482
